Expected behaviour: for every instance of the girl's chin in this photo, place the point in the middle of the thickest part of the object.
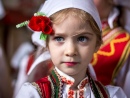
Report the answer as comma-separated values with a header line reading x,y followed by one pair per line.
x,y
69,71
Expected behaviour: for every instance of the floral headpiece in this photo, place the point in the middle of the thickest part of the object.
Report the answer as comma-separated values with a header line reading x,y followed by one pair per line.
x,y
39,22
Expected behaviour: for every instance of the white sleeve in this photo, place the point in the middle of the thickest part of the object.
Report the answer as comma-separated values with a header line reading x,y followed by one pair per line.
x,y
126,86
121,77
28,91
115,92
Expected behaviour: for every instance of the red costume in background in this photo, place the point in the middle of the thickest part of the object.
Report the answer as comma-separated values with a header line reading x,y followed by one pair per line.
x,y
113,54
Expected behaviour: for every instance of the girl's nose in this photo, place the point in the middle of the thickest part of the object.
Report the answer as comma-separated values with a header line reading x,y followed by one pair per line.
x,y
71,49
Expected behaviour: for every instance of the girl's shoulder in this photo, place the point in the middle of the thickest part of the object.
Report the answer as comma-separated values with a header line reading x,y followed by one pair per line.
x,y
109,91
115,91
28,91
43,87
36,89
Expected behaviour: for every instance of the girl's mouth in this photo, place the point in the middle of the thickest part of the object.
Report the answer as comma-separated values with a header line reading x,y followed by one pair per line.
x,y
71,63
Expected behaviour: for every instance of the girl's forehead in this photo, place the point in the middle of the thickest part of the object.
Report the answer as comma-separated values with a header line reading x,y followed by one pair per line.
x,y
72,24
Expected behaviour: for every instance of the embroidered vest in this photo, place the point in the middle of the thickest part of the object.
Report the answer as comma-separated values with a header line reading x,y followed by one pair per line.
x,y
112,55
51,87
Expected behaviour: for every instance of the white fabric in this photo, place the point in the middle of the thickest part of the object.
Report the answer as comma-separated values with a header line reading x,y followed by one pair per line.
x,y
2,11
24,49
123,78
36,39
127,84
29,91
43,57
113,14
22,76
92,72
52,6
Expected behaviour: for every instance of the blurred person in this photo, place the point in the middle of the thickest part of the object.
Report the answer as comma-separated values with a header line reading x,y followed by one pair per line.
x,y
111,61
16,42
18,63
23,59
2,11
6,89
16,11
25,64
126,86
125,13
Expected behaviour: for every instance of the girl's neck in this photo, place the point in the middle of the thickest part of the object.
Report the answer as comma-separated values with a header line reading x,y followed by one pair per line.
x,y
78,78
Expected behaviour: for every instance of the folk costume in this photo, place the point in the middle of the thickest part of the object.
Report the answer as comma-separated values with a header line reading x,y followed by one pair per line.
x,y
58,84
111,60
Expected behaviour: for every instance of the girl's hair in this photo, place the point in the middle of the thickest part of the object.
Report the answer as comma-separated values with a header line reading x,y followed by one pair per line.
x,y
83,16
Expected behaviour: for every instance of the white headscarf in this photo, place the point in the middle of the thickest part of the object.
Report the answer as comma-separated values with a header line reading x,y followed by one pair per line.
x,y
52,6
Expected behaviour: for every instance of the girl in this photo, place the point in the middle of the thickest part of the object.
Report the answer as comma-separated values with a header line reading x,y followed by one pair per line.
x,y
73,34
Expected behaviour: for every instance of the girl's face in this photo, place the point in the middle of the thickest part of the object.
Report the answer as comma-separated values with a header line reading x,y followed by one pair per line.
x,y
72,46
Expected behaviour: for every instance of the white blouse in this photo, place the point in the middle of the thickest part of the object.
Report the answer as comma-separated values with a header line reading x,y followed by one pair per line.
x,y
30,91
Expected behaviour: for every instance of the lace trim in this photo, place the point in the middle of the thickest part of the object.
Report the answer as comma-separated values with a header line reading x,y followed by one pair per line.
x,y
52,87
38,88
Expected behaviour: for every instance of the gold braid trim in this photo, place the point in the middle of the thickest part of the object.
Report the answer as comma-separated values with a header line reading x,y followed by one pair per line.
x,y
38,88
108,95
52,87
100,93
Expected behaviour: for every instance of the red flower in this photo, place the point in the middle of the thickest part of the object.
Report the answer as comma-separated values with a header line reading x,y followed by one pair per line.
x,y
41,23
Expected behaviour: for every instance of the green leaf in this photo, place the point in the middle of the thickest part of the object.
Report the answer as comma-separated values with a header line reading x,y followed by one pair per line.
x,y
39,14
25,23
43,36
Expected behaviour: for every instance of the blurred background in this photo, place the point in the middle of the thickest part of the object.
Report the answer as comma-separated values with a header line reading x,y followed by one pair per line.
x,y
12,39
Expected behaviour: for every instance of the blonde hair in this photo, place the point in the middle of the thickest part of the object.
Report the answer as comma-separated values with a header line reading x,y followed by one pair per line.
x,y
83,16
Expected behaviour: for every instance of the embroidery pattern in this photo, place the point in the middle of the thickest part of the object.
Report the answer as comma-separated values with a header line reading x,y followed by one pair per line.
x,y
38,88
52,87
67,81
81,87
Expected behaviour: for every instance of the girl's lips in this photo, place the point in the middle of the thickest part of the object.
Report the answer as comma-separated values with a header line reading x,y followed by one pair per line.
x,y
71,63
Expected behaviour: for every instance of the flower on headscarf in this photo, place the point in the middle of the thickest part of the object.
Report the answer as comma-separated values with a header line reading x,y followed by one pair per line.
x,y
41,23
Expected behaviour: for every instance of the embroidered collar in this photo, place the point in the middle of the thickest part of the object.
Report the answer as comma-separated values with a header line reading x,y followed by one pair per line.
x,y
97,89
70,80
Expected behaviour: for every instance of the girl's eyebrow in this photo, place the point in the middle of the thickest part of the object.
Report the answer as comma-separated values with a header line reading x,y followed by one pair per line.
x,y
77,34
59,34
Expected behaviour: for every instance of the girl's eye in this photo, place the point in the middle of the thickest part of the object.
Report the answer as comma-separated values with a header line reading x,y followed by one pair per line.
x,y
82,39
59,39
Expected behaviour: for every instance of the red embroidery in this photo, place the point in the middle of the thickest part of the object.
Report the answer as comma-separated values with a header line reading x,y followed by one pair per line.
x,y
70,94
83,83
67,81
81,93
